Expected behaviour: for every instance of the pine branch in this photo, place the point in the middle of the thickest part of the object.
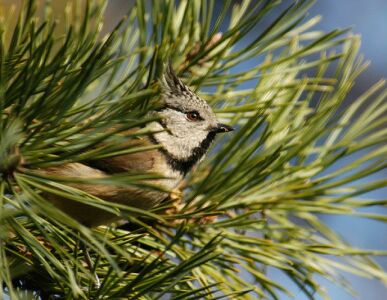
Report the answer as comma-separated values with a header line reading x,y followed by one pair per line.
x,y
67,94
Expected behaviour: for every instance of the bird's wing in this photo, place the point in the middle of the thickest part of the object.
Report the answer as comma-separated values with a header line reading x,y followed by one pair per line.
x,y
133,162
141,162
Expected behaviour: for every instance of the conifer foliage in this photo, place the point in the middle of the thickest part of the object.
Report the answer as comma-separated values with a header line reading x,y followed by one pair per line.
x,y
69,94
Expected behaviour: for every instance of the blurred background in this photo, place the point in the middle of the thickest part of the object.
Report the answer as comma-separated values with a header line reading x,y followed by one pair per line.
x,y
369,19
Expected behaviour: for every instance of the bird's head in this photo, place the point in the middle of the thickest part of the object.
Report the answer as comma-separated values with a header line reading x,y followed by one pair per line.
x,y
187,122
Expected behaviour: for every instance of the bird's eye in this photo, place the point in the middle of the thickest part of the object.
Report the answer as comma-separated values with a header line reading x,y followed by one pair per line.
x,y
193,116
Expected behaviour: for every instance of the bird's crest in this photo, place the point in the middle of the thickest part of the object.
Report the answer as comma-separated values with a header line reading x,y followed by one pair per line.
x,y
172,84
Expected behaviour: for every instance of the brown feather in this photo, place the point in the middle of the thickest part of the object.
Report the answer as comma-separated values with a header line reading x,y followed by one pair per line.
x,y
140,162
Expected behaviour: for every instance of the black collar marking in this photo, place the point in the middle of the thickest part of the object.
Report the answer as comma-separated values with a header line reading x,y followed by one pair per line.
x,y
185,165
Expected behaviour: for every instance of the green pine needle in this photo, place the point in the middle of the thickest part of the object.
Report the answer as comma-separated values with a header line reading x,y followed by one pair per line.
x,y
254,204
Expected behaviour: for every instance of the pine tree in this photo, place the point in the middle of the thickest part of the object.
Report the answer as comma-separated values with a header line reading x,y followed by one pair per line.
x,y
255,203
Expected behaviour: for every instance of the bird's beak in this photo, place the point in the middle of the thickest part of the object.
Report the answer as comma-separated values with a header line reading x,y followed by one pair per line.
x,y
223,128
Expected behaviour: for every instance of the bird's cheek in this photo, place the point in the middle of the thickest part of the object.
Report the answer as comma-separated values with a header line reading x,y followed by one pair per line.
x,y
179,131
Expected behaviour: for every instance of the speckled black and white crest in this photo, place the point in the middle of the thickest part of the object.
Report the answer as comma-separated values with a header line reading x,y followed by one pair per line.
x,y
176,94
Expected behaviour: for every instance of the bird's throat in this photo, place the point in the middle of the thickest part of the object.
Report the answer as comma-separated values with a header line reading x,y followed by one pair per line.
x,y
183,166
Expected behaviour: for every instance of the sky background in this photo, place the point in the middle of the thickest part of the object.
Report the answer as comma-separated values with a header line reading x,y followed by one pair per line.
x,y
369,19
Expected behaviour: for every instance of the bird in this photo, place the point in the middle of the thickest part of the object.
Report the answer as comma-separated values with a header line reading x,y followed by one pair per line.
x,y
185,128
